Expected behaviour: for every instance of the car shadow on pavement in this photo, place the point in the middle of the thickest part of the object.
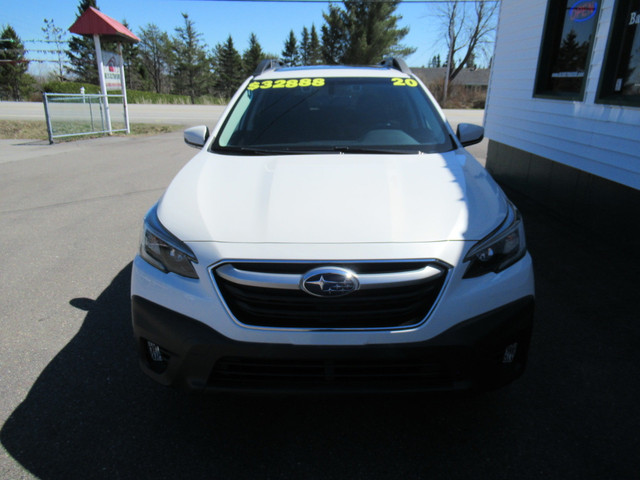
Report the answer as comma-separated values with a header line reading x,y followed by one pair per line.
x,y
574,413
93,414
30,143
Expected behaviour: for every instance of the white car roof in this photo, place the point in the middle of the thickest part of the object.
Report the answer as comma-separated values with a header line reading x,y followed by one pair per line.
x,y
331,71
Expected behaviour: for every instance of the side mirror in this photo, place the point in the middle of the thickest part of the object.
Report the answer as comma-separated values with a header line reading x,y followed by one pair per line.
x,y
469,134
196,136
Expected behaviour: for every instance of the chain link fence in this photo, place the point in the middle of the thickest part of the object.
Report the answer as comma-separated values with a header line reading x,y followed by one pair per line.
x,y
70,115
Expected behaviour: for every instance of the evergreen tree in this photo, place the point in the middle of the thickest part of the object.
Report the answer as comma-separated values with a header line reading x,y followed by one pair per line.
x,y
252,56
334,36
154,53
191,73
363,32
372,32
227,66
132,64
572,55
82,51
305,41
435,62
13,65
315,52
290,55
471,61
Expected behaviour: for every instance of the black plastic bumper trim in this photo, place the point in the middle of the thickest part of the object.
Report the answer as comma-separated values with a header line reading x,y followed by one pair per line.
x,y
467,356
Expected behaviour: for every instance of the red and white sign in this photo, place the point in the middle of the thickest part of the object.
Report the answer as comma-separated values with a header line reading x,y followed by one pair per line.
x,y
112,63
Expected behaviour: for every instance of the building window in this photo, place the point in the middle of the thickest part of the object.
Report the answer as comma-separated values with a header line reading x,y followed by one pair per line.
x,y
620,80
566,48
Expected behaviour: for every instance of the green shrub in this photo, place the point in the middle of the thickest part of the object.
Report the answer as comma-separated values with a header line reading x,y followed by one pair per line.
x,y
69,87
133,96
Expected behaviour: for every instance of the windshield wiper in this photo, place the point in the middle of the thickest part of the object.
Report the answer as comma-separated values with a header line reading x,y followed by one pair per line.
x,y
358,149
255,151
312,150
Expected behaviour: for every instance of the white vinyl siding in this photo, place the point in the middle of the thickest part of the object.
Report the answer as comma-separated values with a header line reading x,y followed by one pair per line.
x,y
603,140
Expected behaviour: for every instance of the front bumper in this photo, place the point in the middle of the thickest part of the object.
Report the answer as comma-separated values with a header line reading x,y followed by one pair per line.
x,y
470,355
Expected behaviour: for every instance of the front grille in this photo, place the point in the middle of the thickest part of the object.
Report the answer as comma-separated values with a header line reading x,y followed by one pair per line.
x,y
382,372
400,306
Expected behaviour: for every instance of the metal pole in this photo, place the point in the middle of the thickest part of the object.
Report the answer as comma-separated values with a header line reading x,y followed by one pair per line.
x,y
103,87
90,113
46,115
101,100
125,105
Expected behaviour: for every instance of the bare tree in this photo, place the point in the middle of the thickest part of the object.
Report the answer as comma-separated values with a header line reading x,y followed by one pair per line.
x,y
467,31
58,37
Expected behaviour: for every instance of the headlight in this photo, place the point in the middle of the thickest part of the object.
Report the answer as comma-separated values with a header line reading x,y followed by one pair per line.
x,y
163,250
501,249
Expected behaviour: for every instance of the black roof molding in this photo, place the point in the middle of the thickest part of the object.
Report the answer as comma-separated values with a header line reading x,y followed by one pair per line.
x,y
396,63
267,64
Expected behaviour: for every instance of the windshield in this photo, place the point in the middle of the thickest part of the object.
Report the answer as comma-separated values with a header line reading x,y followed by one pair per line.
x,y
347,115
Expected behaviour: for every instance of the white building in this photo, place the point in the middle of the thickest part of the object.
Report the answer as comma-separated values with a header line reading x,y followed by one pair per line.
x,y
563,108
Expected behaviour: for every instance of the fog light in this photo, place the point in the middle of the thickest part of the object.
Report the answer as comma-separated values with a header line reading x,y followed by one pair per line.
x,y
510,353
157,358
154,352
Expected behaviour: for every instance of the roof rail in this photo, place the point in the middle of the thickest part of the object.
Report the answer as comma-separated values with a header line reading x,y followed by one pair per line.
x,y
267,64
396,63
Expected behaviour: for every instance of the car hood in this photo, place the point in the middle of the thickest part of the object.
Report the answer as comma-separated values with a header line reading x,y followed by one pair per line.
x,y
332,198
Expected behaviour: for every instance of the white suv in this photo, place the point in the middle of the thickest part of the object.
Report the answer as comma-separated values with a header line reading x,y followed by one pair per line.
x,y
333,234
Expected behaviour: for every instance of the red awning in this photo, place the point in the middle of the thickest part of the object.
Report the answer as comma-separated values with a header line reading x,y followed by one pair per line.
x,y
93,22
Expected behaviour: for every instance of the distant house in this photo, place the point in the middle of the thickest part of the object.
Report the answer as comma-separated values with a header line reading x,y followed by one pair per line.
x,y
563,109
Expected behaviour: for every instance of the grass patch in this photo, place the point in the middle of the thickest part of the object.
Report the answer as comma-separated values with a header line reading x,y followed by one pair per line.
x,y
23,130
37,130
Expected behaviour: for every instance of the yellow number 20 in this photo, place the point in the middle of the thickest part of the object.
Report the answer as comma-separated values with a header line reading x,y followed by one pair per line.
x,y
404,82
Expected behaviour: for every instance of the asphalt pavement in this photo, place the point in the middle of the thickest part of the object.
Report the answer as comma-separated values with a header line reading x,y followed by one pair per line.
x,y
138,113
76,406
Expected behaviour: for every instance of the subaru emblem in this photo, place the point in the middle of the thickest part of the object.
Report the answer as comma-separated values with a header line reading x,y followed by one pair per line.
x,y
329,282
